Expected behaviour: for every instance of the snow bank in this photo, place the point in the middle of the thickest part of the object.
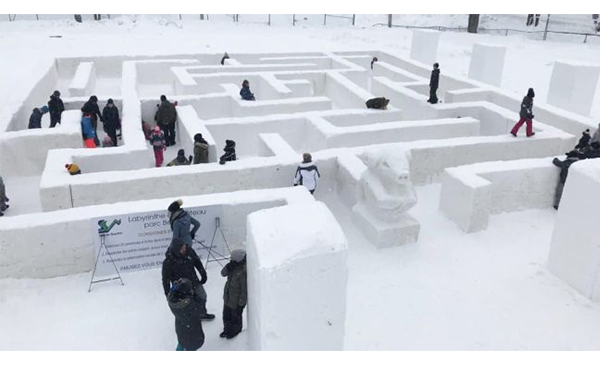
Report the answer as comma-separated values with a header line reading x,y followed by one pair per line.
x,y
297,278
62,243
487,63
574,250
470,193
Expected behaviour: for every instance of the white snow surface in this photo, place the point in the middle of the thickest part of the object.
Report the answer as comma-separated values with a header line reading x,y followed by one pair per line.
x,y
488,290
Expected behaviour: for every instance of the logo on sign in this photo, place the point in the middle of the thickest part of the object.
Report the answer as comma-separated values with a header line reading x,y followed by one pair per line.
x,y
104,228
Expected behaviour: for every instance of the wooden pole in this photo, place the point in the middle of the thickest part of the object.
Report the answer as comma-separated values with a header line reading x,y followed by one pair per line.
x,y
389,20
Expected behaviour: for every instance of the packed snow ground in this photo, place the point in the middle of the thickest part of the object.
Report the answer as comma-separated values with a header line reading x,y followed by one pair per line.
x,y
451,290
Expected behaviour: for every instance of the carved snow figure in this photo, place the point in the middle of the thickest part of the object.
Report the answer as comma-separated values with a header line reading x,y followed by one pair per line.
x,y
385,195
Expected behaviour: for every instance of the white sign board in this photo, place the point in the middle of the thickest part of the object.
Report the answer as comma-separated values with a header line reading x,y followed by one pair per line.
x,y
139,241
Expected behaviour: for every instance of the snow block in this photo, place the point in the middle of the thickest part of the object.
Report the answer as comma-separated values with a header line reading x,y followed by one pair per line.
x,y
573,86
297,278
487,63
84,81
575,249
424,46
386,234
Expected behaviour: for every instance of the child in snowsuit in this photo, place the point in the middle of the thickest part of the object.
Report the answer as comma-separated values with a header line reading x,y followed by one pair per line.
x,y
157,140
180,160
3,198
229,152
200,149
187,312
87,128
307,174
235,294
572,157
245,93
584,141
378,103
73,169
35,120
526,114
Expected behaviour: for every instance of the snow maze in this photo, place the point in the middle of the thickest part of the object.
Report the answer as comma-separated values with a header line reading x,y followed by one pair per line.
x,y
306,102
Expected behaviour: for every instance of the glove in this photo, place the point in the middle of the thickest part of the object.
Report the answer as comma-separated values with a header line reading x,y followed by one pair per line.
x,y
191,158
193,234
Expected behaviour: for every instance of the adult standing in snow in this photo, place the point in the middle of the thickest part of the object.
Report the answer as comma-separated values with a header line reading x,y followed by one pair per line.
x,y
526,114
3,198
187,312
200,149
245,92
434,83
111,120
157,140
166,117
596,136
35,119
56,107
235,294
307,174
377,103
91,108
572,157
229,154
181,261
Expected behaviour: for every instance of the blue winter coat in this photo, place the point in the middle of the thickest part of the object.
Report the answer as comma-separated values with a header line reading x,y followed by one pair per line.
x,y
86,128
246,94
181,223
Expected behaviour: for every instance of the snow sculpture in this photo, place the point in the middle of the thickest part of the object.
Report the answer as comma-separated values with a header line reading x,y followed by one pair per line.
x,y
573,86
487,63
424,46
297,277
385,195
574,249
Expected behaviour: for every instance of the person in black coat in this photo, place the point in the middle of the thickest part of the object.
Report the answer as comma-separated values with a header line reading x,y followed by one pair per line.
x,y
378,103
91,107
584,141
526,114
572,157
434,83
35,120
56,107
111,120
229,152
181,261
187,312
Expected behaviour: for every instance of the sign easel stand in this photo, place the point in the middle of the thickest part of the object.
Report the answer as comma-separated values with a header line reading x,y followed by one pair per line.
x,y
216,256
103,244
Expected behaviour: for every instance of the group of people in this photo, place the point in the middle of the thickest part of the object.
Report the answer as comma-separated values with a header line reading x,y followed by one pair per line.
x,y
89,122
184,291
55,107
587,147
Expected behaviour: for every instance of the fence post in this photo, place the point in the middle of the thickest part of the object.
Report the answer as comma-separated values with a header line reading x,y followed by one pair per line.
x,y
201,16
325,19
585,39
37,17
546,29
389,20
353,18
179,16
294,20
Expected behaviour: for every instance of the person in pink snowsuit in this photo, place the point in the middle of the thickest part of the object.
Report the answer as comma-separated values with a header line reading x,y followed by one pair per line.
x,y
526,115
157,139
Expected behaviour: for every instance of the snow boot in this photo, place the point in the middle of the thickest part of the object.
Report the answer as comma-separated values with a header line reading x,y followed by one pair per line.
x,y
208,317
223,334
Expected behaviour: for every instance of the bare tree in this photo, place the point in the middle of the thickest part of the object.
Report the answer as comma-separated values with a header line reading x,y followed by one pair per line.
x,y
473,23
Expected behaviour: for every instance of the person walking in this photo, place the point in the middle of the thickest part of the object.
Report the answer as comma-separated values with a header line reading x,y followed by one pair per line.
x,y
166,117
56,107
111,120
235,294
200,149
434,83
307,174
187,312
157,140
526,114
91,108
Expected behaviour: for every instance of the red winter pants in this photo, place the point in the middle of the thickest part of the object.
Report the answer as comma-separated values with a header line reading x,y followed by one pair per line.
x,y
520,123
158,156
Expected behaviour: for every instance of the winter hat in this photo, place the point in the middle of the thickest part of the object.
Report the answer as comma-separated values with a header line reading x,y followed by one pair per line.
x,y
306,157
230,143
163,98
175,206
93,98
587,131
67,166
530,93
436,65
157,129
56,93
109,101
36,110
198,137
238,255
180,153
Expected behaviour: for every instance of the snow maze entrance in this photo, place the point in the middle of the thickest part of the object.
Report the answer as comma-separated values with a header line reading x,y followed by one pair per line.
x,y
371,162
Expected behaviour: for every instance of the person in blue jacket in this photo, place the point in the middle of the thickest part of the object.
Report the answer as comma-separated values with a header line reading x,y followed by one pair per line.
x,y
245,93
87,128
